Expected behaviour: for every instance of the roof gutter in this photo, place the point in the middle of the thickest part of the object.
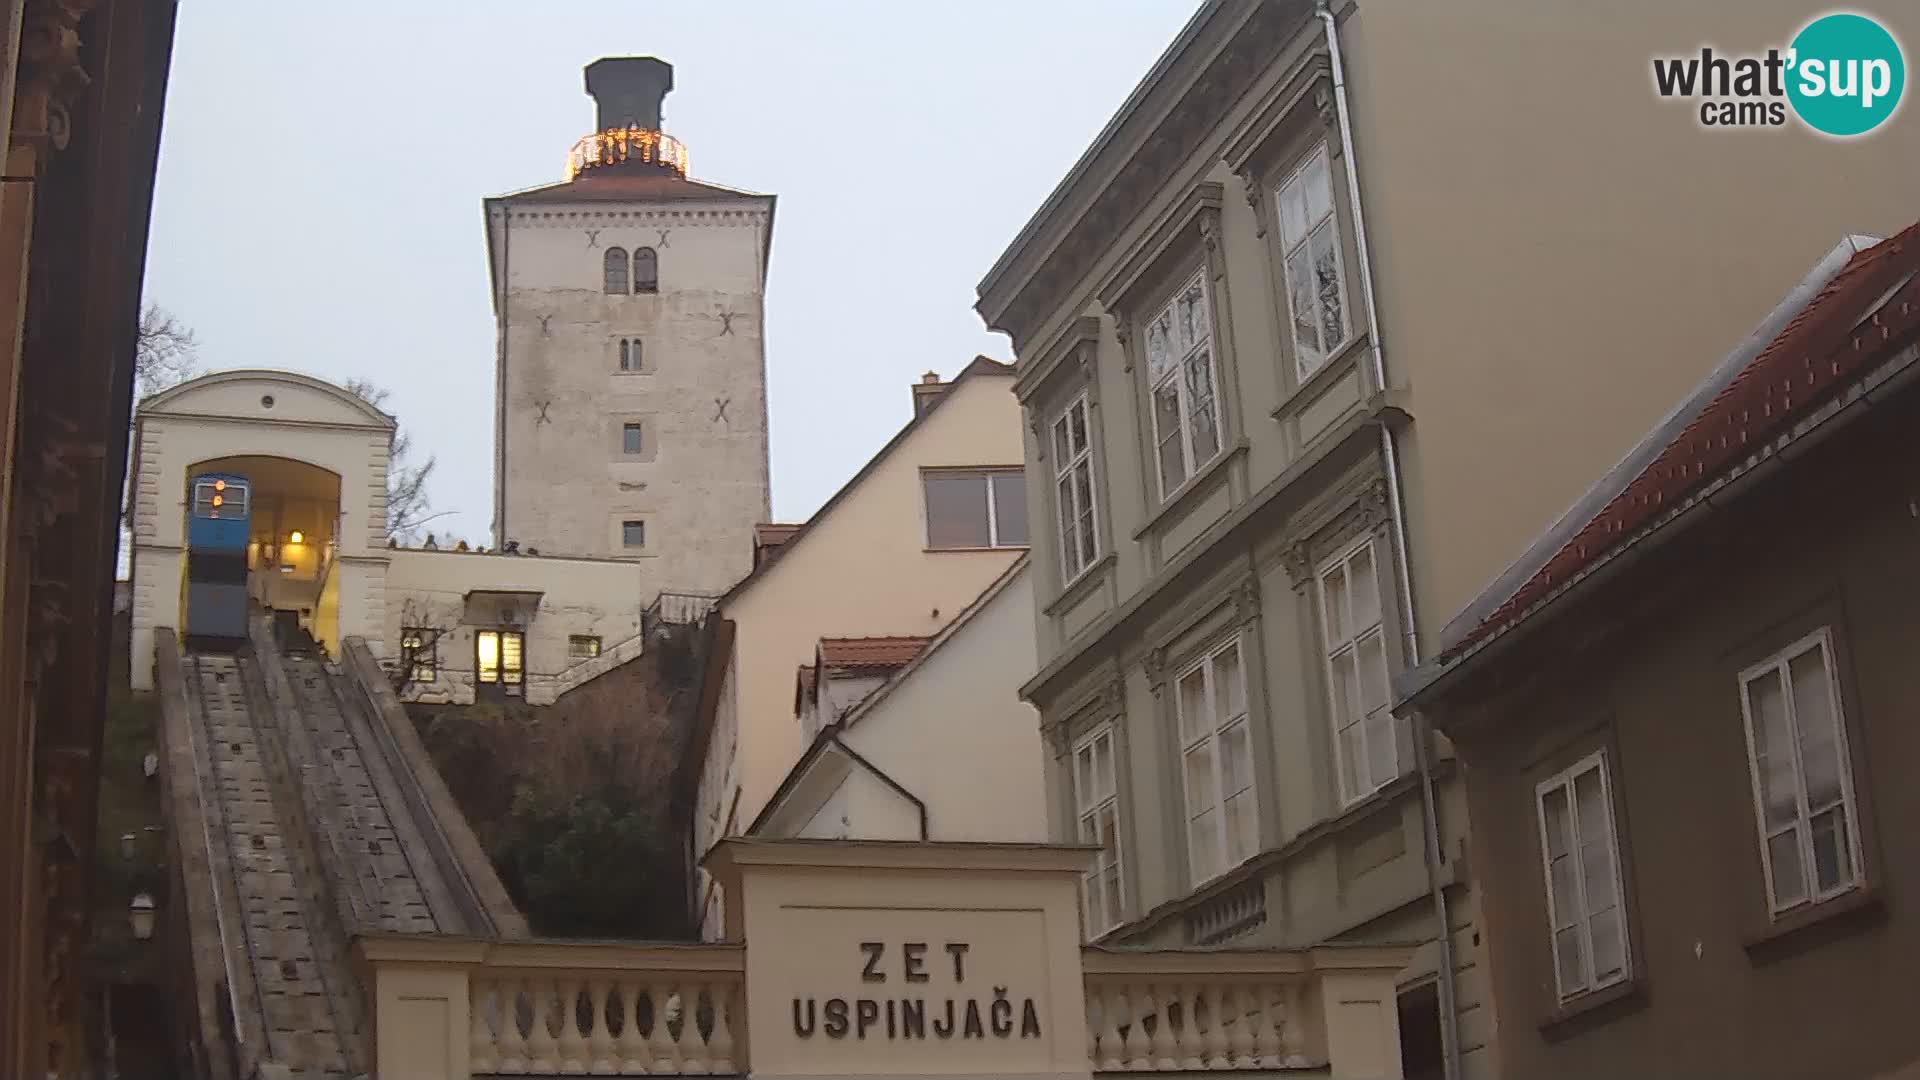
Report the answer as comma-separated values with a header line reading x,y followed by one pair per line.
x,y
1397,516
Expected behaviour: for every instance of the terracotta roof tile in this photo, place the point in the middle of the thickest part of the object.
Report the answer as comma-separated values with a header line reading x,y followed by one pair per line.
x,y
870,652
1818,353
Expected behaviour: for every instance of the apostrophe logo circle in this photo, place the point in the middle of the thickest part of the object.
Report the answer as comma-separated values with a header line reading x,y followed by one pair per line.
x,y
1847,74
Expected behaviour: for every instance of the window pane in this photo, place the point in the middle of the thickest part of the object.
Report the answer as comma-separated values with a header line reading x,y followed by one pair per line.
x,y
1110,901
1236,758
1813,715
1353,755
630,438
1341,679
1366,588
1077,423
1193,326
633,533
1569,952
956,510
1293,211
1083,779
1071,556
1334,595
1558,820
1194,718
1318,186
1326,278
1083,501
1200,406
1010,509
510,666
487,655
1203,846
1160,346
1202,796
1783,859
1166,425
1103,767
1382,753
1773,751
1230,682
1242,830
1372,652
1609,945
1062,449
615,267
1302,306
1832,853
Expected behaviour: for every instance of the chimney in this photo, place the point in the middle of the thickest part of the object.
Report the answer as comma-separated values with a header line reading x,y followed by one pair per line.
x,y
927,391
627,92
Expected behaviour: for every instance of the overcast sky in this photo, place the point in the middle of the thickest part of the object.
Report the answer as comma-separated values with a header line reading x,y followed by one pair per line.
x,y
321,172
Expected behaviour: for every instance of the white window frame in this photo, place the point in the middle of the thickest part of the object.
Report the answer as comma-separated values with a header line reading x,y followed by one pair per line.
x,y
1290,246
1215,728
993,517
1088,808
1176,372
1583,919
1078,553
1780,663
1332,650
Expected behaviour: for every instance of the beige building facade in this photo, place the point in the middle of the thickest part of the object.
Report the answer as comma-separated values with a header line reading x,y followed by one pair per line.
x,y
913,539
631,412
1309,349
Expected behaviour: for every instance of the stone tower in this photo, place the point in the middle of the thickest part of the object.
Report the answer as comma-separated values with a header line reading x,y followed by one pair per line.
x,y
630,394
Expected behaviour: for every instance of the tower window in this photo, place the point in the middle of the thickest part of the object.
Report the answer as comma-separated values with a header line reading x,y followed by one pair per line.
x,y
630,439
633,534
616,270
629,354
646,271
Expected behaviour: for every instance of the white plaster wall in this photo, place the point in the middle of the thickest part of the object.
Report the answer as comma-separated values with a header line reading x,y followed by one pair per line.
x,y
224,415
599,597
701,482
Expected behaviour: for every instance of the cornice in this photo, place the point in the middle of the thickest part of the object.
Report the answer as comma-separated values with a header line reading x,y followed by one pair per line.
x,y
1198,210
1065,349
571,217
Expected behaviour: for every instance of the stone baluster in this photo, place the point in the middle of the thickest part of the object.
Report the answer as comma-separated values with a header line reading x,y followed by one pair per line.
x,y
1266,1034
693,1050
1193,1045
543,1052
1240,1042
1096,1024
1165,1051
600,1040
572,1045
1219,1008
1137,1047
1286,1026
660,1039
634,1056
513,1044
482,1055
1113,1051
720,1046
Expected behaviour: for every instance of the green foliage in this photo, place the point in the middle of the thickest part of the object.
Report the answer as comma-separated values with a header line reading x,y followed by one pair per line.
x,y
592,863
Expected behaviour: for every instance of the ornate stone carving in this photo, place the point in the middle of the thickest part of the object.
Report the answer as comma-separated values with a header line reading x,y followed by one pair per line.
x,y
50,72
1323,103
1297,560
1246,600
1155,666
1113,697
1210,229
1250,188
1374,504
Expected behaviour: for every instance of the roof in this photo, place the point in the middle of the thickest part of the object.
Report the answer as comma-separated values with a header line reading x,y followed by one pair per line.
x,y
159,401
980,365
870,652
599,186
1815,344
768,534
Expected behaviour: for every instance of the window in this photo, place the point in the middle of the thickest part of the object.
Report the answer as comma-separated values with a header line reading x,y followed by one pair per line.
x,y
1096,804
1310,245
1180,377
417,656
1216,763
1802,781
1584,907
615,268
646,271
629,354
1366,739
630,438
1073,487
497,657
582,646
633,534
975,508
219,499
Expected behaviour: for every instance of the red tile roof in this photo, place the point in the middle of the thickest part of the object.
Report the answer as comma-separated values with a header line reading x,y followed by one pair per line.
x,y
1819,352
870,652
598,186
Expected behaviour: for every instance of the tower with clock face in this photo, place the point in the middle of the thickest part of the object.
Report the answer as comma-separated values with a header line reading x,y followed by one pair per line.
x,y
630,396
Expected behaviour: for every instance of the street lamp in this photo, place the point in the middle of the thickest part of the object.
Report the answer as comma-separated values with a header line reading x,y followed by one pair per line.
x,y
140,915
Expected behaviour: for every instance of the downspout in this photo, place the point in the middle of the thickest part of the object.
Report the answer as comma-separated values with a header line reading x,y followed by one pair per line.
x,y
500,381
1397,514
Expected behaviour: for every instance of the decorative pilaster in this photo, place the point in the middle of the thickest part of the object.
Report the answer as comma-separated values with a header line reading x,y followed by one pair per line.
x,y
50,73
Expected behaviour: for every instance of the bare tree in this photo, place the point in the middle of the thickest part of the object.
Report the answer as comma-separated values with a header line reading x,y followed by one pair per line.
x,y
407,506
165,353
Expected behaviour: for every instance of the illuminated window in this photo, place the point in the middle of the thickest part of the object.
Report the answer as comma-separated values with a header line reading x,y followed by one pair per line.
x,y
417,656
1096,803
633,534
630,439
968,508
646,271
1310,242
616,271
1210,699
582,646
497,657
629,354
219,499
1180,379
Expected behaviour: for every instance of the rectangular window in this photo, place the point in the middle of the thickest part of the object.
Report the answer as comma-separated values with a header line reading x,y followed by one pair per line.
x,y
975,508
630,439
417,655
1802,780
1073,489
633,534
1180,378
1096,803
497,657
1366,739
1584,907
582,646
629,354
1216,763
1310,245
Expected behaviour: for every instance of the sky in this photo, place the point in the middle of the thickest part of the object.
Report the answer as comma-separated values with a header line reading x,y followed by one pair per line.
x,y
322,167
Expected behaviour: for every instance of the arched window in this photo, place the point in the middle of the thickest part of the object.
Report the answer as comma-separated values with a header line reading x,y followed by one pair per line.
x,y
646,270
629,354
616,271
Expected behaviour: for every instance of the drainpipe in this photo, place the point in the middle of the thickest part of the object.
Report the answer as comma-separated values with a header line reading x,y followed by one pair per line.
x,y
1396,507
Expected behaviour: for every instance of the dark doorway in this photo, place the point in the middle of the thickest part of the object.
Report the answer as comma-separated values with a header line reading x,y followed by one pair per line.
x,y
1422,1051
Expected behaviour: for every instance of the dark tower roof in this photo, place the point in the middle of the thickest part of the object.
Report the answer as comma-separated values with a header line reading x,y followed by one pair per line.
x,y
627,91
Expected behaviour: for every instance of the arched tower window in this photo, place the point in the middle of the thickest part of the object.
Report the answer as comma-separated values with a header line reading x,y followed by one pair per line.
x,y
646,271
616,270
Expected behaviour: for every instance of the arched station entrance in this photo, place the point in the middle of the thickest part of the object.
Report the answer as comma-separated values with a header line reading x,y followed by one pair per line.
x,y
292,516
